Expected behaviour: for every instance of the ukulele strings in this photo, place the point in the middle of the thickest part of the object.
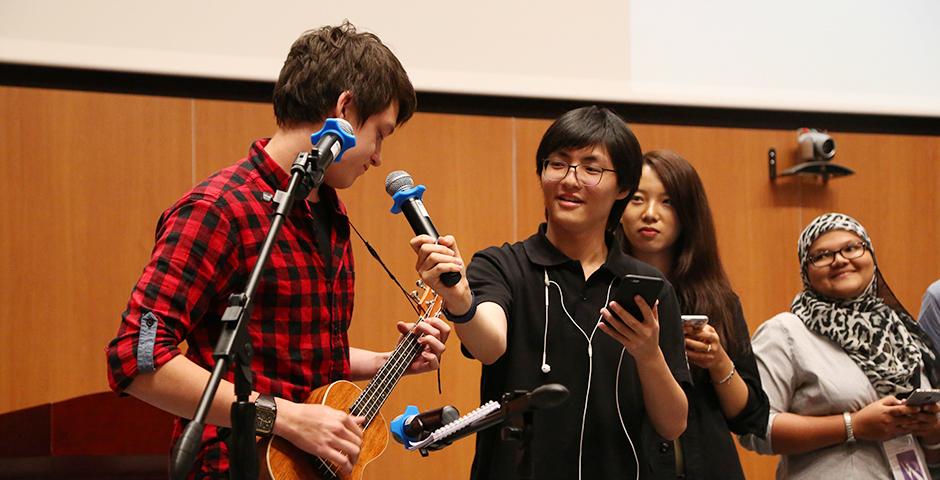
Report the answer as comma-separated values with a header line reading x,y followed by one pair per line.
x,y
398,361
390,373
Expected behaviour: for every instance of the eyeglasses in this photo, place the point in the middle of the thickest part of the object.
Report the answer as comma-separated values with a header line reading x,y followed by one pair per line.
x,y
554,170
825,258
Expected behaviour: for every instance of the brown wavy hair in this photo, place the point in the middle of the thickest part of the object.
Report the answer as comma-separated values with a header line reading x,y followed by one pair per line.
x,y
697,274
324,63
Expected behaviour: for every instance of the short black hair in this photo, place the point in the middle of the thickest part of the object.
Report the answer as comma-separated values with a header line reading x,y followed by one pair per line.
x,y
597,126
324,63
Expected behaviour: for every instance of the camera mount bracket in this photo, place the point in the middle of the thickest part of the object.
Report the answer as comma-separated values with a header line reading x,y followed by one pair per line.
x,y
818,168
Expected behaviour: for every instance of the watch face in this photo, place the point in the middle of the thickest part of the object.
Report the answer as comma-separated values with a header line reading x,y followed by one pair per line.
x,y
264,422
265,413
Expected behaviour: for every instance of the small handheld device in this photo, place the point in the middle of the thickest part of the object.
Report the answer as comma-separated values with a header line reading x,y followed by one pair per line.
x,y
695,321
633,285
920,397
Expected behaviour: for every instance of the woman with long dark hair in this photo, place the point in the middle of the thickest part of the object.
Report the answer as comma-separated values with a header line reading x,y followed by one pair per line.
x,y
668,224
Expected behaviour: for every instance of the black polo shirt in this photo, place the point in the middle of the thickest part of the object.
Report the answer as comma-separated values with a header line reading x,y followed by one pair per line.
x,y
512,276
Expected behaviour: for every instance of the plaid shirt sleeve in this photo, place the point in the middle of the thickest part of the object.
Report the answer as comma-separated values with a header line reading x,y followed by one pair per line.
x,y
193,259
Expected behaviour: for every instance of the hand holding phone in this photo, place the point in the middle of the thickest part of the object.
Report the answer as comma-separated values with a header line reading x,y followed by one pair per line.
x,y
633,285
639,339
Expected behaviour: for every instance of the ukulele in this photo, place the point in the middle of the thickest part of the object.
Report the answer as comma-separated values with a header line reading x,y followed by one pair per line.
x,y
281,460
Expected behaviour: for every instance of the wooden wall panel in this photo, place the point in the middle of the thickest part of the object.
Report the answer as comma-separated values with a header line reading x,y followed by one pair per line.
x,y
224,130
85,177
88,174
531,211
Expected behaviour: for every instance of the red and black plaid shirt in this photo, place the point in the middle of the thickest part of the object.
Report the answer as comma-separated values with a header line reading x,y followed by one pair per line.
x,y
206,245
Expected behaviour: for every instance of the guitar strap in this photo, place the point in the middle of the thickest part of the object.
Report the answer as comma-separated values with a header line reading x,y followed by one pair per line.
x,y
411,299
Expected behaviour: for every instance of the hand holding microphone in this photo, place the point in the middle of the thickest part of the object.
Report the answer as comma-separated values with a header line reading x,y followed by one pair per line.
x,y
407,200
439,263
435,260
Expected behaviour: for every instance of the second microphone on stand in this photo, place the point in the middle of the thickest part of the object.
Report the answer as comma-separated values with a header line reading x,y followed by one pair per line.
x,y
414,426
407,199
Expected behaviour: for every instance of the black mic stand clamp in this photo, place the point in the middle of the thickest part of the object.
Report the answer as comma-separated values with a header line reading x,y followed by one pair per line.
x,y
518,428
234,345
313,170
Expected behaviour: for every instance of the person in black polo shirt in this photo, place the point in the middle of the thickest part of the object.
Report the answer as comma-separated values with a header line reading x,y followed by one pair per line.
x,y
530,312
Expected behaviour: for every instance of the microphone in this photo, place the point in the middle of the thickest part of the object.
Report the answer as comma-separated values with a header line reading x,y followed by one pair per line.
x,y
407,199
412,426
333,140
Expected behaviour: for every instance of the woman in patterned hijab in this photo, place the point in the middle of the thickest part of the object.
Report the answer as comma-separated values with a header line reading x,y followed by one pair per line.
x,y
833,365
870,325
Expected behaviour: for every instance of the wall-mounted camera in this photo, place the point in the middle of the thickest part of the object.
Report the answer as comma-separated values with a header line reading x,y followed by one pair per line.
x,y
815,145
815,151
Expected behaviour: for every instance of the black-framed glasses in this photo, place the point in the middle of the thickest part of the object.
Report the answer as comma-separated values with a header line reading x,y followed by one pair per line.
x,y
824,258
554,170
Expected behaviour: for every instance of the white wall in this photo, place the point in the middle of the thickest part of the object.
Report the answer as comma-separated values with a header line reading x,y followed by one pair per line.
x,y
832,55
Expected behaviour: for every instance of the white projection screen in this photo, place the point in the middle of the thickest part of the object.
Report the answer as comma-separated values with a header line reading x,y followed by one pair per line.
x,y
859,56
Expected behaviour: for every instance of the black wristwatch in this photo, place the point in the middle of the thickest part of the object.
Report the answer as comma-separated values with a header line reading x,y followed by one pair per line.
x,y
265,414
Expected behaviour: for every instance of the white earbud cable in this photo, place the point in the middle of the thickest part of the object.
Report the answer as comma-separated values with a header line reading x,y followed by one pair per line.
x,y
620,415
546,368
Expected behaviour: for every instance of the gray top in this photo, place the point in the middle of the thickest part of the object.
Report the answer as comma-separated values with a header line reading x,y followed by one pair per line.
x,y
807,374
929,318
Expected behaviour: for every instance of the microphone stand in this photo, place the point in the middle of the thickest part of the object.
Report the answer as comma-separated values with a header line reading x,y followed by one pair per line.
x,y
519,429
234,345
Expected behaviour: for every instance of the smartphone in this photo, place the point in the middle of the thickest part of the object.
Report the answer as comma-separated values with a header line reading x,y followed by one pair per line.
x,y
695,321
921,396
633,285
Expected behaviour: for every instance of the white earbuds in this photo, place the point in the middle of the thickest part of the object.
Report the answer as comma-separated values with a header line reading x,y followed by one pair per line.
x,y
546,368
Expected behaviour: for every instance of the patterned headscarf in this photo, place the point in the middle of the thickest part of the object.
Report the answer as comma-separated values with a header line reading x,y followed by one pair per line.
x,y
872,328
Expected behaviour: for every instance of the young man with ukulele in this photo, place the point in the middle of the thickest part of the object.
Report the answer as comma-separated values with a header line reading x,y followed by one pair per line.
x,y
209,240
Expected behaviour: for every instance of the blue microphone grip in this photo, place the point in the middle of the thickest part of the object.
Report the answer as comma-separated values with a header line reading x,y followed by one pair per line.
x,y
408,202
335,137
